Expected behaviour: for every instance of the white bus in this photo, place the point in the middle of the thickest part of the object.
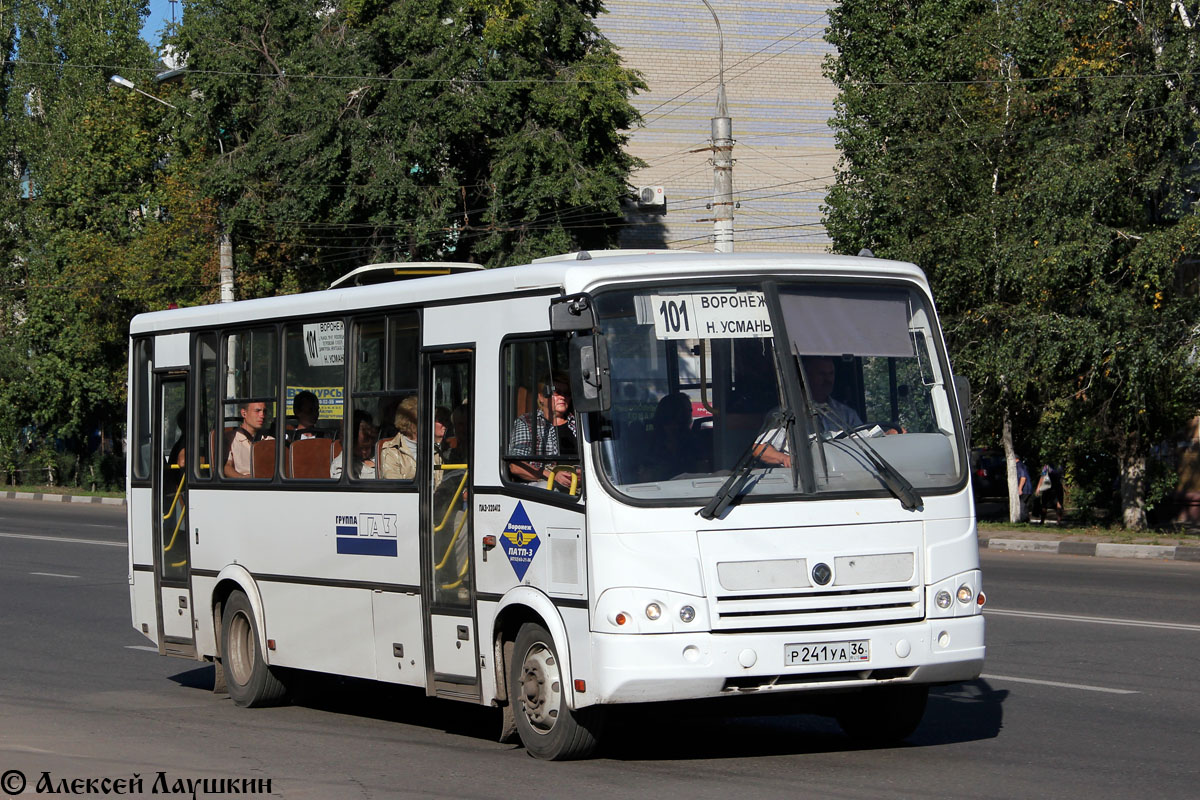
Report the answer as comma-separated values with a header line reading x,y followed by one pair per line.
x,y
558,487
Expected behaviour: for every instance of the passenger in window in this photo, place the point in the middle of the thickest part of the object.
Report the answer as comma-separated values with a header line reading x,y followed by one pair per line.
x,y
443,439
399,456
460,426
307,410
672,447
254,415
820,373
362,453
178,456
549,431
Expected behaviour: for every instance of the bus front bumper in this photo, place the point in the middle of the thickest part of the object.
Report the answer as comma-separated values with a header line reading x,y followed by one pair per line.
x,y
640,668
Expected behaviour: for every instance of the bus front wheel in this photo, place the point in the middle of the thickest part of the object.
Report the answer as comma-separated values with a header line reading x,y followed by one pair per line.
x,y
882,716
547,727
247,676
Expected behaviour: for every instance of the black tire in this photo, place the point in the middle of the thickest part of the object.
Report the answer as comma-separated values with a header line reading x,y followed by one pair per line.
x,y
248,678
547,727
882,716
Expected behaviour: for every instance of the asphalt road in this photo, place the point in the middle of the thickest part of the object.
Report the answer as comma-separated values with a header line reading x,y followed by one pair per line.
x,y
1089,692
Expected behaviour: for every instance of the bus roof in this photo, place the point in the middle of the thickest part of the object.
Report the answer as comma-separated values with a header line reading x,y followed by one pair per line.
x,y
550,276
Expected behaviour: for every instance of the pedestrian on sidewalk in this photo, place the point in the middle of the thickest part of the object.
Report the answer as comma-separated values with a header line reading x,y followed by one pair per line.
x,y
1024,490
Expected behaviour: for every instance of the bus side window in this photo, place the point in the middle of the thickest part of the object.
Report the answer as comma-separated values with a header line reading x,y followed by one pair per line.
x,y
208,393
251,400
315,375
543,439
384,352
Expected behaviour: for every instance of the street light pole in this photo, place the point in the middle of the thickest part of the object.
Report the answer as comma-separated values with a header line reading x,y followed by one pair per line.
x,y
224,237
722,147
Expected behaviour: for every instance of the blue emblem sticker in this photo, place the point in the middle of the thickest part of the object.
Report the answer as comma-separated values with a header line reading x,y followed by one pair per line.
x,y
520,541
366,534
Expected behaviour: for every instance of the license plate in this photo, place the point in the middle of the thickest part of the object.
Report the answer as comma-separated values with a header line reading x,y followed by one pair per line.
x,y
827,653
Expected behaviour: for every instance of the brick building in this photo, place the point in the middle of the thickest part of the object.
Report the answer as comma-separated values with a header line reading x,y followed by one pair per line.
x,y
779,101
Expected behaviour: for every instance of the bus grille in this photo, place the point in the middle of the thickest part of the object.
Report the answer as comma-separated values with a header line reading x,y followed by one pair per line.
x,y
800,611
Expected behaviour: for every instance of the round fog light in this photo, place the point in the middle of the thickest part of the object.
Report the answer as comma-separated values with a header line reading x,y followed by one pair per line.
x,y
653,611
943,599
965,594
687,613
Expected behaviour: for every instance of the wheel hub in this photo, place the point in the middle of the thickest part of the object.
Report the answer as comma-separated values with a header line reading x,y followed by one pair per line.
x,y
541,688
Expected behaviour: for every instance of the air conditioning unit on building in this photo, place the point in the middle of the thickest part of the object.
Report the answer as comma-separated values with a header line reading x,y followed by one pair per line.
x,y
653,197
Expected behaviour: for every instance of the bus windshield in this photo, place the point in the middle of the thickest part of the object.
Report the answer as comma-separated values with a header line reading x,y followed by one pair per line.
x,y
699,390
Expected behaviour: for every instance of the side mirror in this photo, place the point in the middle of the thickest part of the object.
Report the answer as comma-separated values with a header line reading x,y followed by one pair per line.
x,y
572,313
589,374
962,388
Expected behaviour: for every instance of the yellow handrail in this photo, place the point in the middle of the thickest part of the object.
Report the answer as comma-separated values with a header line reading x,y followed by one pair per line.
x,y
178,491
554,472
457,492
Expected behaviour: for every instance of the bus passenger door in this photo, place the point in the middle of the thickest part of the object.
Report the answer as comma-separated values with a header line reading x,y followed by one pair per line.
x,y
171,552
445,447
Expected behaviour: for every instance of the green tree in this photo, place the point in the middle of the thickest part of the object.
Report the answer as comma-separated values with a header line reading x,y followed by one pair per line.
x,y
1039,162
98,188
342,134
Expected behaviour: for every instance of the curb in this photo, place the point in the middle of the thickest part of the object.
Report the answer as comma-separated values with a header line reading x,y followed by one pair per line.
x,y
65,498
1098,549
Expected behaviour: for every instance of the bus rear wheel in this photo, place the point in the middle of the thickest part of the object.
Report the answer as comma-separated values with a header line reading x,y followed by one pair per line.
x,y
547,727
882,716
249,680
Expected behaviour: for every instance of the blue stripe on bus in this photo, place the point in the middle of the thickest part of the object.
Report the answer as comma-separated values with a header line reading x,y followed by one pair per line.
x,y
347,530
366,547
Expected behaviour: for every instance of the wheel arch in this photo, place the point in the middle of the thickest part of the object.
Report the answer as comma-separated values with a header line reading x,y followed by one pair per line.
x,y
233,578
526,604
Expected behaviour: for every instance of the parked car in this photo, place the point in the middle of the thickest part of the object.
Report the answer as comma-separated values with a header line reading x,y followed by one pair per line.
x,y
989,474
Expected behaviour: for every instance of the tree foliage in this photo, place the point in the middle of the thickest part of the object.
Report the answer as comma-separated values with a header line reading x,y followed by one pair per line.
x,y
1039,161
94,201
342,134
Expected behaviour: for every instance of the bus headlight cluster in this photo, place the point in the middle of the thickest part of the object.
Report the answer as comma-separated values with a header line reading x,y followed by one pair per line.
x,y
634,610
964,588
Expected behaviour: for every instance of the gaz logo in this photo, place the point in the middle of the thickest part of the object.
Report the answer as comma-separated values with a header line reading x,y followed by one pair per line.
x,y
520,541
366,534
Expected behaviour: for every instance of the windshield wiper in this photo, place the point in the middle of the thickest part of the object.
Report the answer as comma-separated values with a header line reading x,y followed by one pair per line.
x,y
896,483
733,486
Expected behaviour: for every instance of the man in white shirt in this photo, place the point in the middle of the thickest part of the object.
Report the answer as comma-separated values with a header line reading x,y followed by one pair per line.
x,y
237,465
820,374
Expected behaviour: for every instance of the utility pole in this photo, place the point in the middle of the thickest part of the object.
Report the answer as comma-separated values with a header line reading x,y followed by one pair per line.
x,y
225,250
722,149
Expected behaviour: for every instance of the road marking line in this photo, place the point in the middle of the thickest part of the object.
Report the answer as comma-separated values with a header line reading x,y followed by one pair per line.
x,y
148,648
1060,685
60,539
1134,623
54,575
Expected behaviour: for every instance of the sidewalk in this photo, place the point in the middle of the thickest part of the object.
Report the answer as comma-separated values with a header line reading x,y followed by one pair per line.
x,y
64,498
1050,538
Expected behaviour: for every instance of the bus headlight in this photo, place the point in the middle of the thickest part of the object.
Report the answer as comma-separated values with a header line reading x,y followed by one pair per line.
x,y
653,611
943,599
965,594
687,613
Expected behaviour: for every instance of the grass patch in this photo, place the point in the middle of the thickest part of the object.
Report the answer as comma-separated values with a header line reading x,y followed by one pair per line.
x,y
1090,532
